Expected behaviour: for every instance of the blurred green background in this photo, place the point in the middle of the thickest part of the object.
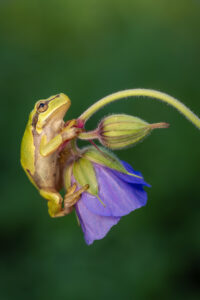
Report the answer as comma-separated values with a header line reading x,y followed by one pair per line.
x,y
88,49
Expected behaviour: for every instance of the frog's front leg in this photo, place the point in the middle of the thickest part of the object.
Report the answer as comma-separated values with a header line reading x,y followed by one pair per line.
x,y
47,148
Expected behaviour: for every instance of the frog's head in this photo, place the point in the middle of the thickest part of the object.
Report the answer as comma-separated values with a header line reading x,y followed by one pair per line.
x,y
50,112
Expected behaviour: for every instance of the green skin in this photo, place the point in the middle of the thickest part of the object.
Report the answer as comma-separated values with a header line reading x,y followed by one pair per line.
x,y
45,133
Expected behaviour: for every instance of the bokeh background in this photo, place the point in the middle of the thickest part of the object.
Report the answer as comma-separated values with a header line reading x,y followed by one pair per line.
x,y
88,49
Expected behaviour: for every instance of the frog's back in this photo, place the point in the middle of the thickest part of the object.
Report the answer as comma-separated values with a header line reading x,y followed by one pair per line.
x,y
27,152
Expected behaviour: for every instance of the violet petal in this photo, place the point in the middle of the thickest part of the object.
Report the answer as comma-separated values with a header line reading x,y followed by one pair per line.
x,y
132,179
120,193
94,227
120,197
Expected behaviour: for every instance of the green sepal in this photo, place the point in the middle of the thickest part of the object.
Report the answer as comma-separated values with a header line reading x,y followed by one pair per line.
x,y
122,118
105,158
122,125
84,173
120,131
123,142
68,175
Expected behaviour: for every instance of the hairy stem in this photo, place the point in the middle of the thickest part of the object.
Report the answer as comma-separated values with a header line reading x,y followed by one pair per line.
x,y
146,93
89,135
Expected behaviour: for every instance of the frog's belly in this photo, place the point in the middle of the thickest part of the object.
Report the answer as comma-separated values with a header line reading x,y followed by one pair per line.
x,y
47,174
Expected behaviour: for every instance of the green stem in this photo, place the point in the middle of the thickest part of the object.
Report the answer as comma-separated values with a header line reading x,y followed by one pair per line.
x,y
89,135
141,92
75,150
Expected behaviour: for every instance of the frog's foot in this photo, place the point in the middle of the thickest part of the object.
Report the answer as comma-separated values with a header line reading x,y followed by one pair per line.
x,y
55,200
73,196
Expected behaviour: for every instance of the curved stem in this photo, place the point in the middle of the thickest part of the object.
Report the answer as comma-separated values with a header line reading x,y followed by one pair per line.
x,y
141,92
74,147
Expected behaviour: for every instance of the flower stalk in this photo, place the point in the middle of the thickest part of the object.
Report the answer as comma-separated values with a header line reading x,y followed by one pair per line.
x,y
141,93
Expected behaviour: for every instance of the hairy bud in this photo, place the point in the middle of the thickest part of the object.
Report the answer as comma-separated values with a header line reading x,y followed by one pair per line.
x,y
120,131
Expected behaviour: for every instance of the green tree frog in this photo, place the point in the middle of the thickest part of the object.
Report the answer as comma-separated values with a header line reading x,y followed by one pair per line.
x,y
44,136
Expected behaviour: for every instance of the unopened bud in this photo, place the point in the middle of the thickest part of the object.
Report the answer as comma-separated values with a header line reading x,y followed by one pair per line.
x,y
119,131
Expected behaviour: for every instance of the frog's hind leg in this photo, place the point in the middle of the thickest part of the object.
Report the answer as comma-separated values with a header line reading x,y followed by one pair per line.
x,y
55,200
72,196
70,199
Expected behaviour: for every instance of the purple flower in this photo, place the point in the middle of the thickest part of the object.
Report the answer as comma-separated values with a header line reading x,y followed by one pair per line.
x,y
120,194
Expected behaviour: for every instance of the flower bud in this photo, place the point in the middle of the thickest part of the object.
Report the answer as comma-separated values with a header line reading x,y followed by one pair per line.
x,y
120,131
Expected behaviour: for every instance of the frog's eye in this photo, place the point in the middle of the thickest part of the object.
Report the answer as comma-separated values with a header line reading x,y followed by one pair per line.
x,y
42,106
